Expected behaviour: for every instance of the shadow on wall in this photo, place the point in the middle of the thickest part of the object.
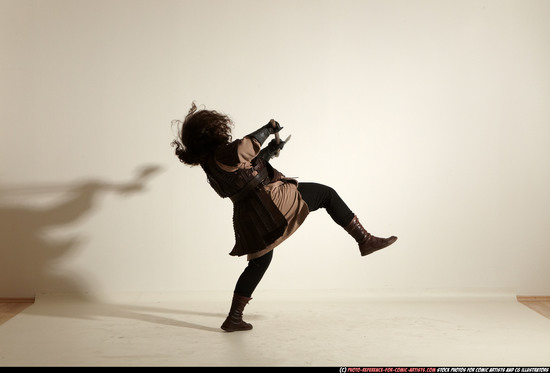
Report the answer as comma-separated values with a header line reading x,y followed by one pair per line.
x,y
27,254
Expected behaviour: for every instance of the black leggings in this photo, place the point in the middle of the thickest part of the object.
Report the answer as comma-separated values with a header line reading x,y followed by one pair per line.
x,y
316,196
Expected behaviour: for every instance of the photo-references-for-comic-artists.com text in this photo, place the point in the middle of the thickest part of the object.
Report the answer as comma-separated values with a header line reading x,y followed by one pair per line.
x,y
445,370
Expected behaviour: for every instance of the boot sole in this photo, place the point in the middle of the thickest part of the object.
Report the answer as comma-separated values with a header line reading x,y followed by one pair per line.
x,y
229,330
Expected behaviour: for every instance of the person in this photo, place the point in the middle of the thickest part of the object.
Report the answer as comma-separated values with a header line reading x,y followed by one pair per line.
x,y
267,206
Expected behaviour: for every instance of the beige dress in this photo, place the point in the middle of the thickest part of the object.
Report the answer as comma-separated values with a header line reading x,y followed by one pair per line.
x,y
284,193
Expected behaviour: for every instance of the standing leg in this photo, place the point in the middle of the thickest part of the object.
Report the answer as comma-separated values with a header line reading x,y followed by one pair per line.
x,y
321,196
249,279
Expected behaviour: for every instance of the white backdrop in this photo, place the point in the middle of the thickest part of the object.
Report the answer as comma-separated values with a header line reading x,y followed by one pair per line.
x,y
430,118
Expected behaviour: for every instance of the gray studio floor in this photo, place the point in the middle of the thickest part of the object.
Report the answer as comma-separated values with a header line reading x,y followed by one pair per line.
x,y
298,328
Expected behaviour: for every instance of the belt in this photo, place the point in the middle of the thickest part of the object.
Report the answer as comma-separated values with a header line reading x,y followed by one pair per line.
x,y
251,185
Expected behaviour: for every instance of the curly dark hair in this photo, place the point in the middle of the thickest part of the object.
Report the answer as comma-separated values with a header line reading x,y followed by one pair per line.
x,y
200,134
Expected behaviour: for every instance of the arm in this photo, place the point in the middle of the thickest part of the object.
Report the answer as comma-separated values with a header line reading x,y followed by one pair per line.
x,y
272,149
239,154
275,145
262,133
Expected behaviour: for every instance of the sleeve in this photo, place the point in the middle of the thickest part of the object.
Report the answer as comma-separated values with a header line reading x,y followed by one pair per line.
x,y
238,154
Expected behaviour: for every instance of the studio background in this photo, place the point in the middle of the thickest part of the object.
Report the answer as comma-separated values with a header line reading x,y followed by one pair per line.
x,y
430,118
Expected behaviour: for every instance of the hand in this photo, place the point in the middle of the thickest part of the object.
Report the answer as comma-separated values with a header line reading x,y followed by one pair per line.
x,y
276,146
274,126
271,150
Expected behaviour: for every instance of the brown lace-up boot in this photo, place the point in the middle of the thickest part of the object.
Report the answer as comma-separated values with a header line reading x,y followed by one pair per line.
x,y
367,242
234,321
